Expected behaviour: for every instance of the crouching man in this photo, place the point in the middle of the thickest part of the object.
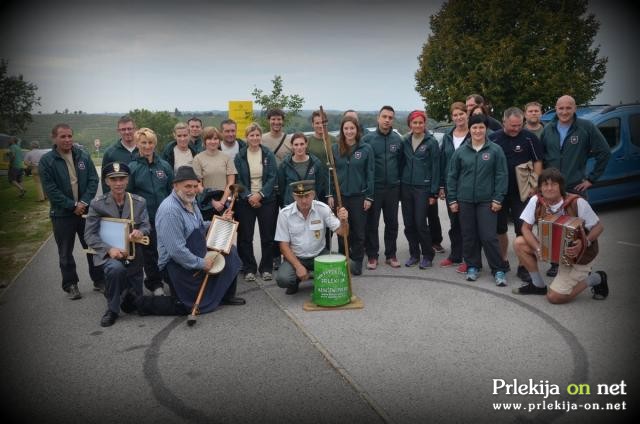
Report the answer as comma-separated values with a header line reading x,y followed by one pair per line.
x,y
301,232
571,279
122,275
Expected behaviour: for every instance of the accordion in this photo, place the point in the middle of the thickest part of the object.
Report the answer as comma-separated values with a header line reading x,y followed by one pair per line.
x,y
556,234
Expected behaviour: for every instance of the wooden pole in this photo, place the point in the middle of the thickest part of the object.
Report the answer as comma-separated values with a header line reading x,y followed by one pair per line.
x,y
336,184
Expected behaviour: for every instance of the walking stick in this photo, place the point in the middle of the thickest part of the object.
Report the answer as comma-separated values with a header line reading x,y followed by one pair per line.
x,y
336,183
195,311
235,189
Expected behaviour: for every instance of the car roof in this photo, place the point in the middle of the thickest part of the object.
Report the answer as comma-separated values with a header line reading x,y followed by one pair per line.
x,y
590,112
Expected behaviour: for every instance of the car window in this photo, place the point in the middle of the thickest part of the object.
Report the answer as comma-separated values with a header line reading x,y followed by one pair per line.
x,y
610,129
634,128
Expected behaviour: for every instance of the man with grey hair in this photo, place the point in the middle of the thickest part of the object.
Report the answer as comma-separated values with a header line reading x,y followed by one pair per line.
x,y
519,146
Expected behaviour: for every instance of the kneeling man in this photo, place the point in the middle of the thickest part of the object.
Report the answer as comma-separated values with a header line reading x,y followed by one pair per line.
x,y
571,279
301,232
182,248
121,274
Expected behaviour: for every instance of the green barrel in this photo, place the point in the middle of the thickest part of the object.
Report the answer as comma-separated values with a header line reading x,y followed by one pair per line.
x,y
330,281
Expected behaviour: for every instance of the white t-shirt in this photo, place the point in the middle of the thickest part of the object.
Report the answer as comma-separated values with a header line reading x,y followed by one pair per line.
x,y
457,141
584,211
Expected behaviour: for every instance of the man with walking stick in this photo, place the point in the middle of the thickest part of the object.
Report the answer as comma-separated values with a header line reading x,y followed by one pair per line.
x,y
182,249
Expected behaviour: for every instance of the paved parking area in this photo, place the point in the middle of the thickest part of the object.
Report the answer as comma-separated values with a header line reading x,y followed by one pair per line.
x,y
427,347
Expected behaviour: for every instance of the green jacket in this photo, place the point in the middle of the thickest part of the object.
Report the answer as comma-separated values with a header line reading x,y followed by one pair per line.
x,y
446,152
197,144
315,171
116,153
387,154
583,141
355,171
477,177
421,168
153,181
269,173
57,184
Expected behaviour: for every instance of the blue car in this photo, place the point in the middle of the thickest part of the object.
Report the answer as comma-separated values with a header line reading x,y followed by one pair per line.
x,y
620,125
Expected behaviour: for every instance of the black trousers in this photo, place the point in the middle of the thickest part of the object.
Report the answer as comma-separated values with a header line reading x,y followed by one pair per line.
x,y
512,207
170,305
455,236
267,216
65,229
386,201
415,201
153,276
435,229
478,224
357,224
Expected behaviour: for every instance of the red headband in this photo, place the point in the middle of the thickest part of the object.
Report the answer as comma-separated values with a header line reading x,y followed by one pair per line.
x,y
414,114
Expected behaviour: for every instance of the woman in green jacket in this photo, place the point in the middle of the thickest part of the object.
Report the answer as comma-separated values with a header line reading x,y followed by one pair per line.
x,y
476,185
354,163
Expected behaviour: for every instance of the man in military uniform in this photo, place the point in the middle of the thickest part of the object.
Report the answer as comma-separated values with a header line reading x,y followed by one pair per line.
x,y
301,232
121,273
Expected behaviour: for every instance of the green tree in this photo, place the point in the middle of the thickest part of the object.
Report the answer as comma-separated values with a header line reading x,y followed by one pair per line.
x,y
290,104
17,99
511,53
160,122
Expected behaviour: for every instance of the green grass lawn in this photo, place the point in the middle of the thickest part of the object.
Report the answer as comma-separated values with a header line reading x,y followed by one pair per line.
x,y
24,226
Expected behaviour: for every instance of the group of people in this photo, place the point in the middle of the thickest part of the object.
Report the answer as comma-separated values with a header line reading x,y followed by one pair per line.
x,y
283,181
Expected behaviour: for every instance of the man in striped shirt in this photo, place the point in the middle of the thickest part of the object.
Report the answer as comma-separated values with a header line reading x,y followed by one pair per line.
x,y
182,249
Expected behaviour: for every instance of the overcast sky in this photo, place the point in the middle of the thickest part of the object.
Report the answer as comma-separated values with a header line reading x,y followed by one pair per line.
x,y
114,56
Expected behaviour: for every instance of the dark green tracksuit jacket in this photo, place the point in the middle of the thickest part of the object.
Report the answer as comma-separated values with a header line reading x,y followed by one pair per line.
x,y
287,174
583,141
355,171
421,168
477,177
117,153
446,152
153,181
269,173
54,175
198,144
387,154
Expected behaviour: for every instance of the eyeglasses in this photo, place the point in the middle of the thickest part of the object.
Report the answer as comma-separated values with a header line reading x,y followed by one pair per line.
x,y
125,129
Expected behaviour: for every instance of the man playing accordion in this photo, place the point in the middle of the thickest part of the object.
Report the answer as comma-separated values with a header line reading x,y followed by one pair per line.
x,y
575,275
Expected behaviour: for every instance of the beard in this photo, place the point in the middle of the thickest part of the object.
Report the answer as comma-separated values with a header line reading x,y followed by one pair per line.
x,y
186,198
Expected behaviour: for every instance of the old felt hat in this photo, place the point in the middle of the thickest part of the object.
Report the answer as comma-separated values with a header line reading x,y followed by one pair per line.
x,y
184,173
302,187
115,169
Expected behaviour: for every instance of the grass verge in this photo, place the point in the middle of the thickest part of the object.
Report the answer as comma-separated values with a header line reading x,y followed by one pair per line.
x,y
24,226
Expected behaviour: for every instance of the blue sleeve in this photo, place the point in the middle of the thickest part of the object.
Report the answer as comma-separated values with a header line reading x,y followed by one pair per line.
x,y
170,230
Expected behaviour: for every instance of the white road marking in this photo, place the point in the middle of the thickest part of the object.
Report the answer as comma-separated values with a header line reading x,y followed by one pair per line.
x,y
626,243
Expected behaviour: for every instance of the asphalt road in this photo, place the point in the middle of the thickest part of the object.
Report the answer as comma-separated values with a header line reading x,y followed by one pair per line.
x,y
428,347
